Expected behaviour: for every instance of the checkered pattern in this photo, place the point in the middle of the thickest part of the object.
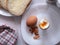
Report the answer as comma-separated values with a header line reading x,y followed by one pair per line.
x,y
8,38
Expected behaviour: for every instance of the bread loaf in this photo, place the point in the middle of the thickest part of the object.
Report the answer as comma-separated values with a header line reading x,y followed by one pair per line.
x,y
17,7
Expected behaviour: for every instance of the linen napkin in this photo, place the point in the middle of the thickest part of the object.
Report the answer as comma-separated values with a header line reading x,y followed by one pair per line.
x,y
8,37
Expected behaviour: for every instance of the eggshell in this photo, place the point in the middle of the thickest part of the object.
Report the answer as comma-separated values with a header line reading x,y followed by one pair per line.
x,y
44,24
31,21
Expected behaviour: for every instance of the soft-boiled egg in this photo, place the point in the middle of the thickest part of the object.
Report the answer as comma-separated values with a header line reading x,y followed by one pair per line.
x,y
44,24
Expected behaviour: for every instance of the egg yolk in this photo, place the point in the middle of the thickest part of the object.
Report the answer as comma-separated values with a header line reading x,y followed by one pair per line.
x,y
43,24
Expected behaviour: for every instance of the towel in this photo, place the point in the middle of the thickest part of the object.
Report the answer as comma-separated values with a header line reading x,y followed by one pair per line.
x,y
8,37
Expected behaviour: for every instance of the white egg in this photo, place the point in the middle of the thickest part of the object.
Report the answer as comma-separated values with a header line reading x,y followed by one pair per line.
x,y
44,24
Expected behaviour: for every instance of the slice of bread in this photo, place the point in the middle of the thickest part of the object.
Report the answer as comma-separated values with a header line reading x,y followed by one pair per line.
x,y
4,4
17,7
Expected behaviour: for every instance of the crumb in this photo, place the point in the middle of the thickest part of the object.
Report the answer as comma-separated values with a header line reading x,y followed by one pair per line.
x,y
34,30
36,36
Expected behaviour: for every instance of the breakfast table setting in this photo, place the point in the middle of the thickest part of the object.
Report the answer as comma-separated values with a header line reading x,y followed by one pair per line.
x,y
48,9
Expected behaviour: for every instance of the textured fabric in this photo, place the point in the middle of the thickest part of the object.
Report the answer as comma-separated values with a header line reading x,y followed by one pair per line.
x,y
8,38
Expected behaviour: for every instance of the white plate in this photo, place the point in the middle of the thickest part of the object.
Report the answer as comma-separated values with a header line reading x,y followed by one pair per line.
x,y
51,35
5,13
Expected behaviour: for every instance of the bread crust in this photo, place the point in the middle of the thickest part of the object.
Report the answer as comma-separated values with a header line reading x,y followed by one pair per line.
x,y
4,4
7,4
27,6
0,3
23,11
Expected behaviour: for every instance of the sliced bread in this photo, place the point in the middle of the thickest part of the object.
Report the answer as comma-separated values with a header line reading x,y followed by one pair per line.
x,y
17,7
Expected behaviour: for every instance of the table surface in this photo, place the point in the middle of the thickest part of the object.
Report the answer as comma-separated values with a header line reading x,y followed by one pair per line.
x,y
17,21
